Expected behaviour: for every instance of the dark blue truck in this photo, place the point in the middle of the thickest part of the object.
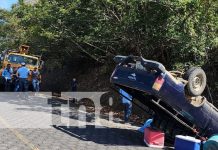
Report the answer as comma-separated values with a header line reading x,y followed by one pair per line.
x,y
174,97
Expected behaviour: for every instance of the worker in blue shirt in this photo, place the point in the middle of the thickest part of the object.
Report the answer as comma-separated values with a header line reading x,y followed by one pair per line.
x,y
127,102
7,73
23,73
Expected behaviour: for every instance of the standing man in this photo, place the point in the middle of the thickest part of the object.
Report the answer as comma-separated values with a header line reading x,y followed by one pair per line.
x,y
74,85
7,73
127,102
23,74
36,78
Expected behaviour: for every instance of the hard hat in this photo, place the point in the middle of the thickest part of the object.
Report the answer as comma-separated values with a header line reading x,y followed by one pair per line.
x,y
23,63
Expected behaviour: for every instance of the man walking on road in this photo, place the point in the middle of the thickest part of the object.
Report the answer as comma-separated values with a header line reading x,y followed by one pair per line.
x,y
7,73
127,102
74,85
23,74
36,77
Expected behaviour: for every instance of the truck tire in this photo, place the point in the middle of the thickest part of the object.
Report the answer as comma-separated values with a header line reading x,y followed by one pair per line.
x,y
197,81
188,72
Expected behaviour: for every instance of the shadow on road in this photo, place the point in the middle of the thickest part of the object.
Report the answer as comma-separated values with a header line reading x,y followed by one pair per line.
x,y
102,135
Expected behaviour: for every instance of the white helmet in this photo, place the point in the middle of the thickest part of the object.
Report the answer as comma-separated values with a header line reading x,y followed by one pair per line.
x,y
23,63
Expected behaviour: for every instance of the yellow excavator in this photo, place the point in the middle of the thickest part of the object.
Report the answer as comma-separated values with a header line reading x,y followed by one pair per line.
x,y
16,57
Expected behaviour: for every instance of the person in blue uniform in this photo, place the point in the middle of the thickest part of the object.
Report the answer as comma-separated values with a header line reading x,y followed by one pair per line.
x,y
127,102
7,74
23,74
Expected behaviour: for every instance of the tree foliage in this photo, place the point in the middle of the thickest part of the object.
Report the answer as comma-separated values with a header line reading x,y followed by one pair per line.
x,y
173,32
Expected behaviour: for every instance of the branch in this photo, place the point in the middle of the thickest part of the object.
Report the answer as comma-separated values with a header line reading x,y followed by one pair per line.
x,y
83,50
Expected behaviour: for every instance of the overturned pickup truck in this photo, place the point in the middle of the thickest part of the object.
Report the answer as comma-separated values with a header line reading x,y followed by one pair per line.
x,y
174,97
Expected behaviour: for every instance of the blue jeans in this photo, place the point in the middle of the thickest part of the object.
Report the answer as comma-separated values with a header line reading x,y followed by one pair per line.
x,y
127,111
23,85
35,83
16,85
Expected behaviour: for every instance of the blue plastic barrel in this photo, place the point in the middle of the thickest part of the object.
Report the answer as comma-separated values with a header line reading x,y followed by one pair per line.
x,y
211,143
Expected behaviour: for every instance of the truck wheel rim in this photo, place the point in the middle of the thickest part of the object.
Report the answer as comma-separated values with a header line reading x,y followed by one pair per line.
x,y
197,82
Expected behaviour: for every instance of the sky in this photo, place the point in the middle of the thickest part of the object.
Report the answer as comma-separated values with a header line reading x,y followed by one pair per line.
x,y
6,4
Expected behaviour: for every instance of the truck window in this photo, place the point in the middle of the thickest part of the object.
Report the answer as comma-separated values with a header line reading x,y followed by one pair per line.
x,y
17,59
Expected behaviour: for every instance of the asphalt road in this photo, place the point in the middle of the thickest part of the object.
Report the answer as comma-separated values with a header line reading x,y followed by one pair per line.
x,y
30,122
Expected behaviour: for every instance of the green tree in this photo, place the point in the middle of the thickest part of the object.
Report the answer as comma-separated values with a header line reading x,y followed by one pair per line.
x,y
173,32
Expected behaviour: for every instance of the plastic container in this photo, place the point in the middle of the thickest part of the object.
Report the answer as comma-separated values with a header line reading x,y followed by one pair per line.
x,y
187,143
154,138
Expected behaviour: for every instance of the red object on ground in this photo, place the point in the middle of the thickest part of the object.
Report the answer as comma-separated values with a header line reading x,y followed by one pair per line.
x,y
154,138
